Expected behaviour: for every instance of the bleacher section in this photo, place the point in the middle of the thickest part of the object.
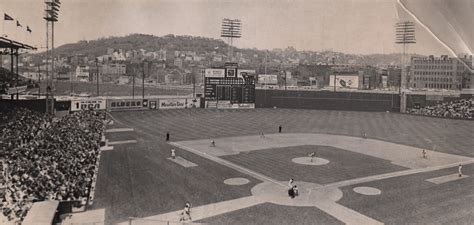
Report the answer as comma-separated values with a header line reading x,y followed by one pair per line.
x,y
459,109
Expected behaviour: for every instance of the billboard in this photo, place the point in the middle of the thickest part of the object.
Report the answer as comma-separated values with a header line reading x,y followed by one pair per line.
x,y
178,103
125,104
214,73
344,81
268,79
14,90
153,105
88,104
241,72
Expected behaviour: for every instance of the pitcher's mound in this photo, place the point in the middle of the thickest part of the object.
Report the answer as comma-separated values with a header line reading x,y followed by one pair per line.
x,y
236,181
307,161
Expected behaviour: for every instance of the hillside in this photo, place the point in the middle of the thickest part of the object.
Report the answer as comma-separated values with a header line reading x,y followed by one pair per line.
x,y
142,41
203,45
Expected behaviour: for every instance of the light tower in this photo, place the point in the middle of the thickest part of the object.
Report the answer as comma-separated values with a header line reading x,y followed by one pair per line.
x,y
405,35
231,29
51,16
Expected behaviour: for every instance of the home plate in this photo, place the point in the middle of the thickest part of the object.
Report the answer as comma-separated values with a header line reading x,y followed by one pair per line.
x,y
183,162
445,179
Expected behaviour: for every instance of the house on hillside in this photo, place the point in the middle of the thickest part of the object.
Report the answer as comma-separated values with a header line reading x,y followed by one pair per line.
x,y
82,73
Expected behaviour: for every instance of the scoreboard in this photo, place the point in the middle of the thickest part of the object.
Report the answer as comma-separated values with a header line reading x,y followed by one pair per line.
x,y
234,89
230,87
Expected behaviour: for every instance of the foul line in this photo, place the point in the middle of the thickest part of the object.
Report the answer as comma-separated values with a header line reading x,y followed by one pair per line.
x,y
122,142
229,164
394,174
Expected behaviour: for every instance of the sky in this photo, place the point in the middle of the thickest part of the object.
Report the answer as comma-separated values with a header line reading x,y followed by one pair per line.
x,y
349,26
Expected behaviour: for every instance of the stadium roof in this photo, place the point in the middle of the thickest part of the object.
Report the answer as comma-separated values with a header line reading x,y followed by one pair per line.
x,y
8,43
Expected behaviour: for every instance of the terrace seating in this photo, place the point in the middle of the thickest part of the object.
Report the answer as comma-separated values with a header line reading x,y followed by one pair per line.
x,y
48,158
461,109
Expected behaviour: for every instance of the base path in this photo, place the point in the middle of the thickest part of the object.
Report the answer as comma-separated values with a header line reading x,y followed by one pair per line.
x,y
324,197
206,211
402,155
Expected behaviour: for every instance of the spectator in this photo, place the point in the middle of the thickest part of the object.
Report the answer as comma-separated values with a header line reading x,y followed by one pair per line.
x,y
463,109
48,158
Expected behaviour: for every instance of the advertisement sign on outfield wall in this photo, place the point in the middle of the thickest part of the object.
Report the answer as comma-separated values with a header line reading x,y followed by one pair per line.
x,y
88,104
125,104
152,104
178,103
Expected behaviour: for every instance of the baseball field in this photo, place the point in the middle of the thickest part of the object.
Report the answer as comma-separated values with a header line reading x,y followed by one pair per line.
x,y
367,168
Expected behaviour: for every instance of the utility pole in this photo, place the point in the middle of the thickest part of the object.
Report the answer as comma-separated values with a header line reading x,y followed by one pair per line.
x,y
17,75
194,85
143,79
335,82
266,60
97,76
133,85
39,82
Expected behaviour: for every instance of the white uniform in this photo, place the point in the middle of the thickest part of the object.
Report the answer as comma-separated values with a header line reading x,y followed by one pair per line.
x,y
290,183
173,153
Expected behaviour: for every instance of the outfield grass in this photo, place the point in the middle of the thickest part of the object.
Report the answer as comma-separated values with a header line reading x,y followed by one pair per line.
x,y
136,180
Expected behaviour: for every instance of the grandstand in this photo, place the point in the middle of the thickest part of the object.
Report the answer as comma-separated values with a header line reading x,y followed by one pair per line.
x,y
8,82
48,159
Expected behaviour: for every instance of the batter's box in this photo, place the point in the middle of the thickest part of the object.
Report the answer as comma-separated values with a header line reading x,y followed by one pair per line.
x,y
182,162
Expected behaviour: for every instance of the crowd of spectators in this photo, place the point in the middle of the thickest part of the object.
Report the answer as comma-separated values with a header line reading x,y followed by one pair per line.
x,y
47,158
8,80
462,109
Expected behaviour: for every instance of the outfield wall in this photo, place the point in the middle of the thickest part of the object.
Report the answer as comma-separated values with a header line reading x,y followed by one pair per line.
x,y
325,100
38,105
